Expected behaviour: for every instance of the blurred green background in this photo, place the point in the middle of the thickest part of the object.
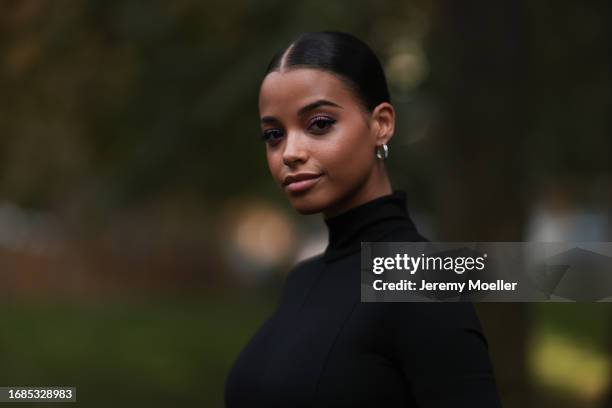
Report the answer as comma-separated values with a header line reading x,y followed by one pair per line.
x,y
143,241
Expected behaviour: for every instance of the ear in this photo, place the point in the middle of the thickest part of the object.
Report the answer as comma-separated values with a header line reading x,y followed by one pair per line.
x,y
383,118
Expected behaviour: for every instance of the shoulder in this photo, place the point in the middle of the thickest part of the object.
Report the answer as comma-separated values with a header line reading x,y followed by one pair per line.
x,y
434,336
434,322
442,350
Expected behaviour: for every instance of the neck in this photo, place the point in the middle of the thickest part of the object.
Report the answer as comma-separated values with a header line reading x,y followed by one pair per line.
x,y
377,185
369,222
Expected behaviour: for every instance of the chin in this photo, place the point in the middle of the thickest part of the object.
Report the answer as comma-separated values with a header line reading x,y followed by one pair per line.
x,y
306,206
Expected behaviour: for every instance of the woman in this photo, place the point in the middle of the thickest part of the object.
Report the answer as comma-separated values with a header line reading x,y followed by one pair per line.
x,y
327,120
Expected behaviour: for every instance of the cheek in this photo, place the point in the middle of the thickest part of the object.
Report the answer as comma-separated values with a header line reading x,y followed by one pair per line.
x,y
349,158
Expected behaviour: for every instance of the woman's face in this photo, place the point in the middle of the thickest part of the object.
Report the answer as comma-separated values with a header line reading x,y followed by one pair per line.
x,y
317,133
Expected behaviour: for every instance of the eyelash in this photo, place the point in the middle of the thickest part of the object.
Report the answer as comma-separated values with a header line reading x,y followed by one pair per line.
x,y
267,135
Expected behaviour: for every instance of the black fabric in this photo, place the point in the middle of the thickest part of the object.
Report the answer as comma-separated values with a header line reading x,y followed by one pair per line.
x,y
322,347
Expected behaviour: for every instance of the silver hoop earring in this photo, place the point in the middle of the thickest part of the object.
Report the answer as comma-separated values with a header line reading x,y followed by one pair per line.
x,y
384,154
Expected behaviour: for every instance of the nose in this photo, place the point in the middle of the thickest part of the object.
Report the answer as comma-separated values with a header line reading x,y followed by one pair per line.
x,y
295,150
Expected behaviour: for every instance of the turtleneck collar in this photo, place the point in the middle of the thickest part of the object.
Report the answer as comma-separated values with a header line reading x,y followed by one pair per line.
x,y
367,222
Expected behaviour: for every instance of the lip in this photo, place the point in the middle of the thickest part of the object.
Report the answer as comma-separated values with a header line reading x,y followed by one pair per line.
x,y
301,181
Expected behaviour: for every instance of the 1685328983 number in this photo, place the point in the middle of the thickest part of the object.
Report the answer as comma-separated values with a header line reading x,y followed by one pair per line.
x,y
40,393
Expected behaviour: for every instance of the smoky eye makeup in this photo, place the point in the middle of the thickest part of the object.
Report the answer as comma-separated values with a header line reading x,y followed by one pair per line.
x,y
320,123
271,136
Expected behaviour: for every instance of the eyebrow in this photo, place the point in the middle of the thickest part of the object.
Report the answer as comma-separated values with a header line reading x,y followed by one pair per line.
x,y
304,109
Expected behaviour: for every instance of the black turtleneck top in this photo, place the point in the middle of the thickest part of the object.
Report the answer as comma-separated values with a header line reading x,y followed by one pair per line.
x,y
323,347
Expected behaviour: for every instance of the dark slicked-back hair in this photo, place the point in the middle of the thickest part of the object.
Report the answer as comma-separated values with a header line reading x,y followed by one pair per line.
x,y
341,54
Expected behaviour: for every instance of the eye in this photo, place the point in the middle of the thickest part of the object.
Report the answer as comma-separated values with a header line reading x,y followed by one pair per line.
x,y
272,136
320,124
